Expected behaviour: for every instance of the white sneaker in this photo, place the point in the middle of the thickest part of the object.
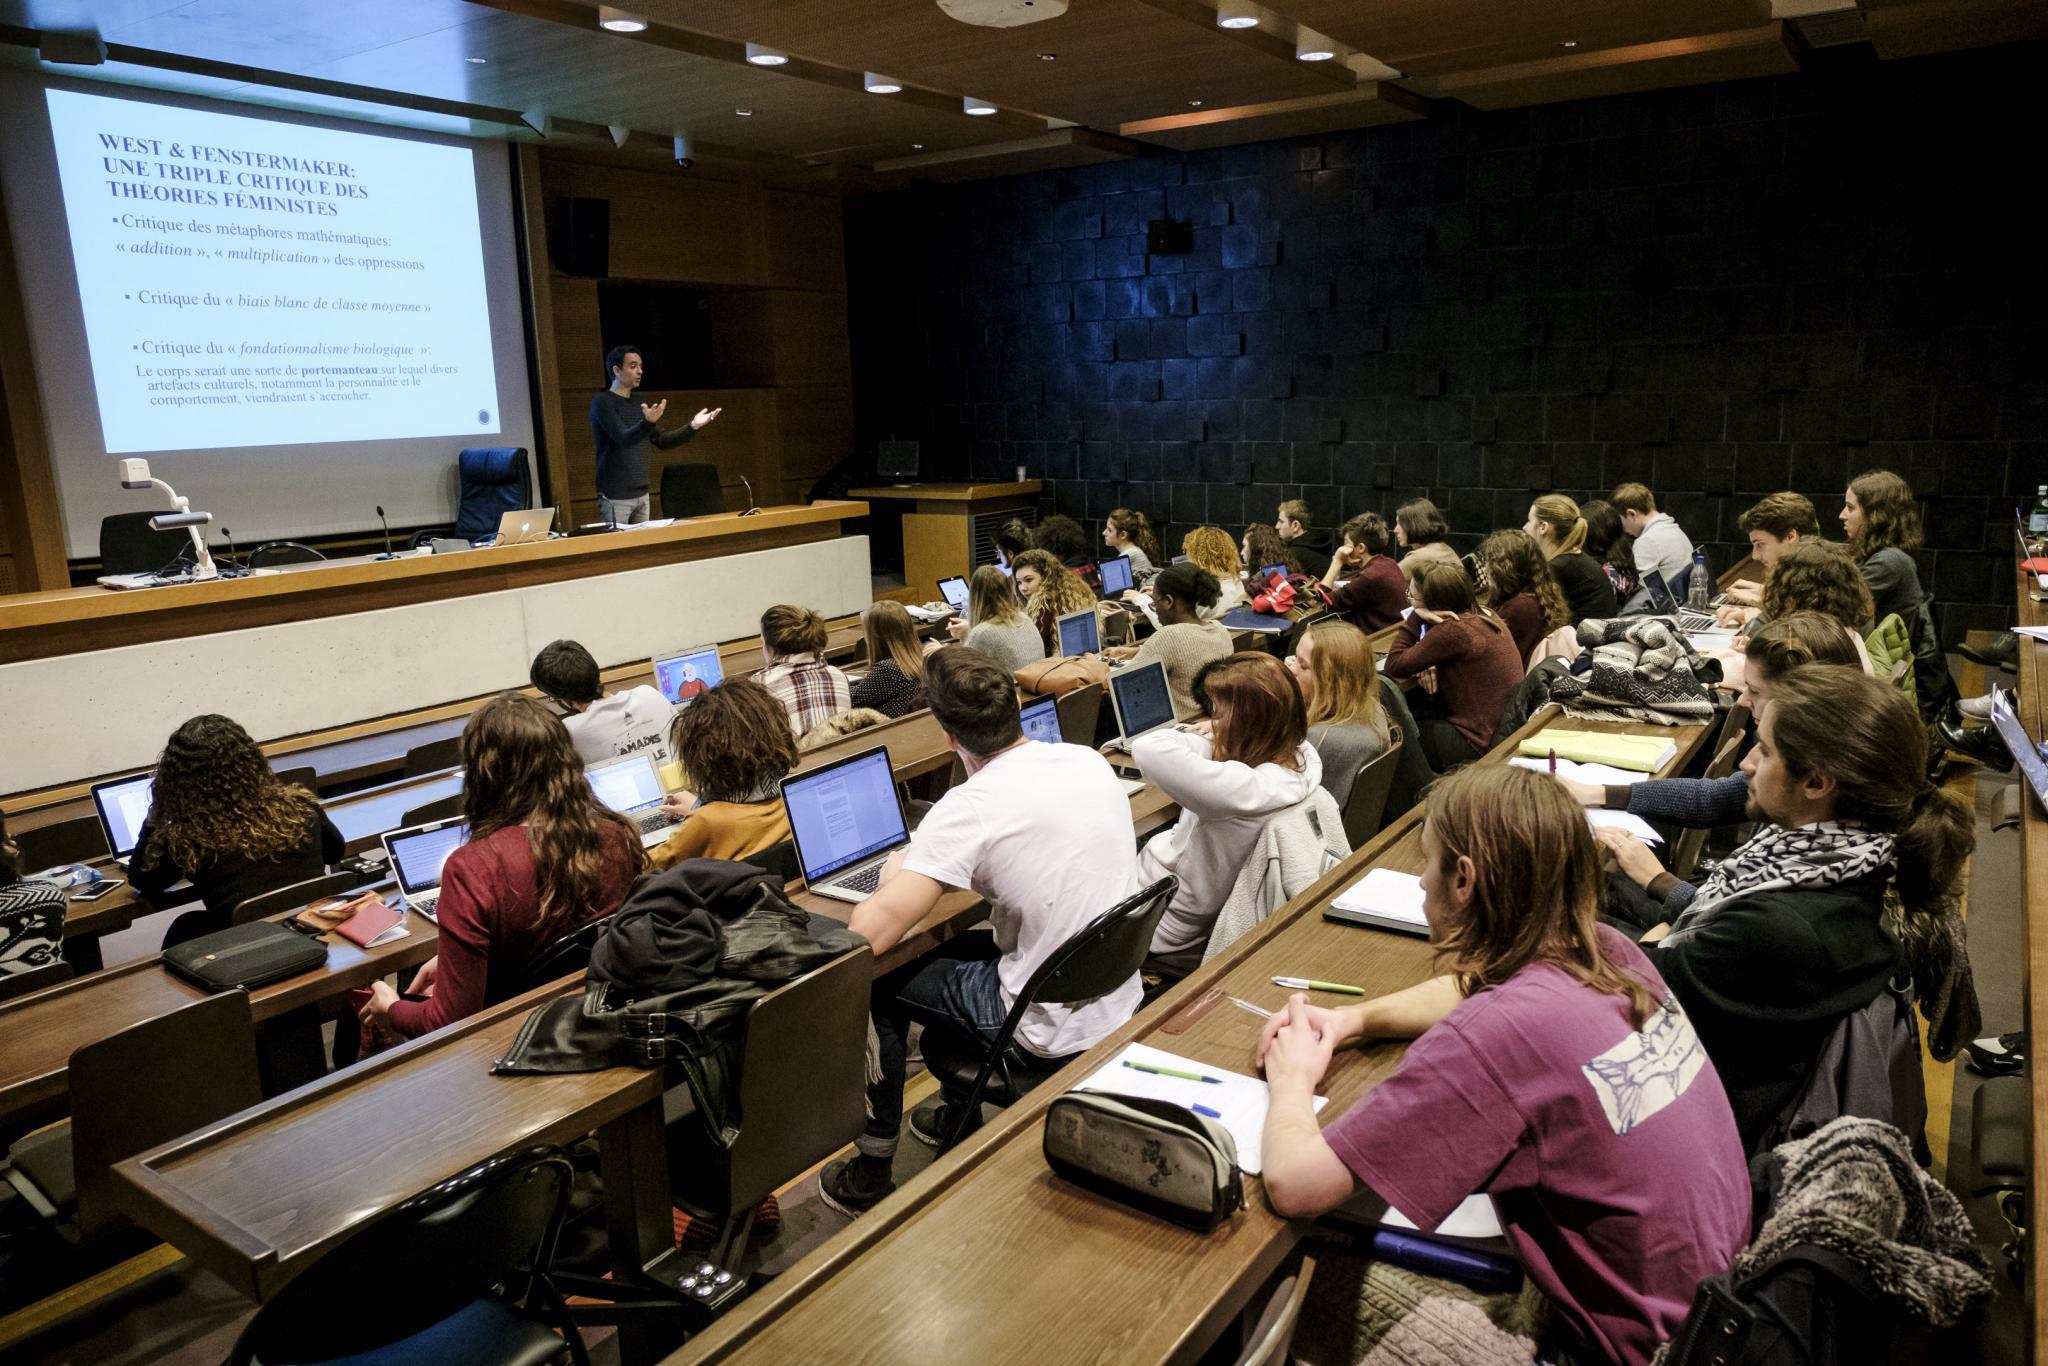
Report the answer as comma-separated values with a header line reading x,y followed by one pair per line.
x,y
1976,708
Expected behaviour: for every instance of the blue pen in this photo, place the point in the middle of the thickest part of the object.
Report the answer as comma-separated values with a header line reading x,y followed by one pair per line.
x,y
1205,1110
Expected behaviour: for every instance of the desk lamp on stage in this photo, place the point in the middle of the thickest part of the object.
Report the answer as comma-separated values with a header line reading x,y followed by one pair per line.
x,y
135,475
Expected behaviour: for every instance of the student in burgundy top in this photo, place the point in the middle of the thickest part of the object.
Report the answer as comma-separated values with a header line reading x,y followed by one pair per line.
x,y
543,858
1375,591
1552,1070
1466,662
1520,589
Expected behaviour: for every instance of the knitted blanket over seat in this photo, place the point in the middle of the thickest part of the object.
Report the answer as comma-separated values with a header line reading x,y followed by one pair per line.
x,y
1643,669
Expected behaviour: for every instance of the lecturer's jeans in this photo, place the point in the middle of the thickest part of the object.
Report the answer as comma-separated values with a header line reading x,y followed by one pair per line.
x,y
622,511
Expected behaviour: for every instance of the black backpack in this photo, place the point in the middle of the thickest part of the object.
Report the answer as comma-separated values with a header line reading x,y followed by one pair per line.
x,y
1810,1307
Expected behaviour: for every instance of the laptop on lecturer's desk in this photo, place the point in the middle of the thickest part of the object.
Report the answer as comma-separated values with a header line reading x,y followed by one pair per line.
x,y
416,855
845,819
631,786
518,526
122,806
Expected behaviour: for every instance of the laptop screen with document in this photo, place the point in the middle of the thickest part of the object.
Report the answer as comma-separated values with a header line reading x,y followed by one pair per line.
x,y
628,783
1040,720
1079,634
123,806
844,812
417,854
1143,702
1116,575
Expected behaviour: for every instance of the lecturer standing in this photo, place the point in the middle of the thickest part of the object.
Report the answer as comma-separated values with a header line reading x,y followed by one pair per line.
x,y
623,430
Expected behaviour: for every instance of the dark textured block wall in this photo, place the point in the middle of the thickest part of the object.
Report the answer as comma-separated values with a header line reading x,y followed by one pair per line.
x,y
1721,291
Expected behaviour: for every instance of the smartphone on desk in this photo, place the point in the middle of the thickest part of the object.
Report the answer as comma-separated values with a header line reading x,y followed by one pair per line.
x,y
93,891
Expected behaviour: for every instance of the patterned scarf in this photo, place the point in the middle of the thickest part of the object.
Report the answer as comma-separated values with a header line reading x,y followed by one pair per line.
x,y
1820,855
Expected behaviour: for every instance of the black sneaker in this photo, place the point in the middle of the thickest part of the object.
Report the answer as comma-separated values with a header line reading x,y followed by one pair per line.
x,y
857,1185
2002,651
1981,743
933,1122
1998,1055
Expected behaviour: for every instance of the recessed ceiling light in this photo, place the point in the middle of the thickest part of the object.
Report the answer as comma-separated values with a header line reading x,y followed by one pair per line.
x,y
1569,42
1313,47
917,147
744,113
1194,104
1048,56
765,56
618,21
476,61
878,84
1237,14
977,107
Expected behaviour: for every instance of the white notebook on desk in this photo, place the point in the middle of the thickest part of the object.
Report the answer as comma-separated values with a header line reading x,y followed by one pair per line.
x,y
1238,1100
1598,775
1383,899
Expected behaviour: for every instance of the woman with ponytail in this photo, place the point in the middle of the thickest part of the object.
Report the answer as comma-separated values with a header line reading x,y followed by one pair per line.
x,y
1559,530
1791,932
1129,533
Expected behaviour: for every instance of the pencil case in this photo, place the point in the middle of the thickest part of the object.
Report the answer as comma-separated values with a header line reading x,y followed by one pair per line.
x,y
1151,1154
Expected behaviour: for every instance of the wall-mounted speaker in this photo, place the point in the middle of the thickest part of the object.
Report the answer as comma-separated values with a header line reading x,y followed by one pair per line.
x,y
580,235
1165,237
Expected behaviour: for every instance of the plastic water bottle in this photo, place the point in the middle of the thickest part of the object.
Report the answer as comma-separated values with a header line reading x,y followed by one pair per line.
x,y
2037,519
1699,592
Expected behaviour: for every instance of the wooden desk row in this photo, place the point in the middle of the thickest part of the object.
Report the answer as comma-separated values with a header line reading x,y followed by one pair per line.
x,y
257,1197
42,1030
925,1277
2030,703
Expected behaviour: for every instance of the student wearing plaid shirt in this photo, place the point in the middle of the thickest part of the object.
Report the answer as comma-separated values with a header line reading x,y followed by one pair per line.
x,y
810,690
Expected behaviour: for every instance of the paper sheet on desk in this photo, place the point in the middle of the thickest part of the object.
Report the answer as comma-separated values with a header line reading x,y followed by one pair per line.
x,y
2037,632
1384,892
1623,820
1240,1099
1599,775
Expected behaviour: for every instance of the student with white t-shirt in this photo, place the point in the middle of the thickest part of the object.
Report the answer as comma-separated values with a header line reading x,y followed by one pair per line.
x,y
1042,833
603,725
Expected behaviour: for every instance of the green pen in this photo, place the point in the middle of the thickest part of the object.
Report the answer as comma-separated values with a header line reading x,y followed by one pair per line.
x,y
1310,984
1170,1072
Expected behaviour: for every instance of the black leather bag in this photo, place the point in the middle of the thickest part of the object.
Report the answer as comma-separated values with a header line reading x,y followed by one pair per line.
x,y
251,955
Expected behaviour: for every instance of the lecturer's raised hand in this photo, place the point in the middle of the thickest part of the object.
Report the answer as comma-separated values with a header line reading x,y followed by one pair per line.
x,y
704,418
653,411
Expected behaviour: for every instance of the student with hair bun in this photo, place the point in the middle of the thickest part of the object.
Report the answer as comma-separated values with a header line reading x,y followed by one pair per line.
x,y
793,642
1560,531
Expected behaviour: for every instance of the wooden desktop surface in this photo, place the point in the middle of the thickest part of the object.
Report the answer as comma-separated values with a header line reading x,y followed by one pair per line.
x,y
2030,703
950,493
43,1029
70,620
927,1277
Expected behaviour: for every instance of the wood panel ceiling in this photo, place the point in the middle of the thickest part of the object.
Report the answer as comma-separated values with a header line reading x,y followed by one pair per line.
x,y
1116,74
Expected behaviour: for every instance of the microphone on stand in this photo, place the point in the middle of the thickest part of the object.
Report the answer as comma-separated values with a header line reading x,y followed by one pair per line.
x,y
233,569
387,555
753,508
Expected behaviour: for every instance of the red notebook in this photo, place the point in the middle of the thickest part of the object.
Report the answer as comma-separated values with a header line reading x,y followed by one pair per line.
x,y
373,924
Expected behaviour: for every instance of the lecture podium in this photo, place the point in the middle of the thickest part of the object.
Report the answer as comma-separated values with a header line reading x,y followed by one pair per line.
x,y
946,522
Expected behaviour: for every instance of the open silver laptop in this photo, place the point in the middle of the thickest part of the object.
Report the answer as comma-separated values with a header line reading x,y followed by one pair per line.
x,y
417,854
122,806
518,527
1143,704
686,675
1079,633
631,786
846,819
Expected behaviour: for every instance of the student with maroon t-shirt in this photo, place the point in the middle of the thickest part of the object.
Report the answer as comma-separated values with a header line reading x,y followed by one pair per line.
x,y
544,856
1552,1070
1375,591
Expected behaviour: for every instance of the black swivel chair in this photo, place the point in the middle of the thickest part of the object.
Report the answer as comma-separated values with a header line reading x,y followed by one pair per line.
x,y
455,1276
691,490
494,480
1096,959
128,545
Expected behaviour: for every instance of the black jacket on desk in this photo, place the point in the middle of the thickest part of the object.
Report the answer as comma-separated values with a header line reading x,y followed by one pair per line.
x,y
226,884
1766,977
622,435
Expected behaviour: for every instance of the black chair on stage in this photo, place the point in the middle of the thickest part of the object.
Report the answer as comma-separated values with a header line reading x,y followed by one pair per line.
x,y
691,490
129,545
